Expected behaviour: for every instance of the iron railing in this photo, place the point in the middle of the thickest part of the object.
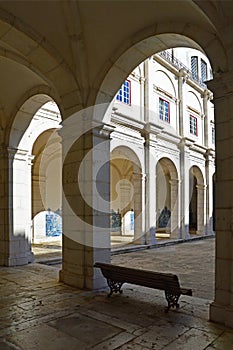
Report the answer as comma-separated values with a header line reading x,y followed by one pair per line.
x,y
180,65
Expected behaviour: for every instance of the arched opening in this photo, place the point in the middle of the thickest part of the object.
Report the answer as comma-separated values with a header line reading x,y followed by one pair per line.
x,y
125,197
46,187
167,202
193,205
196,201
147,46
31,143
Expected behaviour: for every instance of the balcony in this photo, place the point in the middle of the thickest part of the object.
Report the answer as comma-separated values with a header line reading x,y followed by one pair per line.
x,y
179,65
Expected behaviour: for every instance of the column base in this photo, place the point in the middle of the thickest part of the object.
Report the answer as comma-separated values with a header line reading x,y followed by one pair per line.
x,y
16,252
71,279
83,282
185,232
17,260
151,236
175,234
221,314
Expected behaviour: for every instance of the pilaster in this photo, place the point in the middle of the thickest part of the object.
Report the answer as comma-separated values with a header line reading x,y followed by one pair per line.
x,y
150,188
138,229
175,229
184,188
201,191
221,310
15,239
209,166
86,206
208,95
182,77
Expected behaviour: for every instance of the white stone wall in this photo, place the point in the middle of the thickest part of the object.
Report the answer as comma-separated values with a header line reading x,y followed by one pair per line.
x,y
153,79
145,140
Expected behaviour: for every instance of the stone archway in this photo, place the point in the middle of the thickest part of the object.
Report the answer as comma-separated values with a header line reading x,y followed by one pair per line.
x,y
47,187
146,46
196,201
126,192
26,128
167,199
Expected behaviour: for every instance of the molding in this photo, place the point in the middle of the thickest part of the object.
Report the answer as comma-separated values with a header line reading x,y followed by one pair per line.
x,y
189,108
164,92
125,120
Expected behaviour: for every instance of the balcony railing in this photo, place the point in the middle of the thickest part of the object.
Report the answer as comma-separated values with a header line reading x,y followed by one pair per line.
x,y
179,65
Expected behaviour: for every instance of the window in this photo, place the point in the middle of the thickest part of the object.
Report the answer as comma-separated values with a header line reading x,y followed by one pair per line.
x,y
193,125
123,94
203,71
211,74
164,110
213,134
194,67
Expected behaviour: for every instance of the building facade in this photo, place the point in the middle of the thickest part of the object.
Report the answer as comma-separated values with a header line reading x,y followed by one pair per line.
x,y
163,149
162,156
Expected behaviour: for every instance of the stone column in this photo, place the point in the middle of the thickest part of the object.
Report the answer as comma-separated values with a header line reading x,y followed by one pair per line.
x,y
184,189
5,208
221,310
184,169
15,235
182,77
150,188
125,187
207,134
208,95
138,230
209,165
86,203
200,209
174,209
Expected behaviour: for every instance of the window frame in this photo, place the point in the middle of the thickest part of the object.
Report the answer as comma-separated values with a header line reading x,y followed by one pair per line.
x,y
194,76
122,94
213,134
192,117
204,64
164,101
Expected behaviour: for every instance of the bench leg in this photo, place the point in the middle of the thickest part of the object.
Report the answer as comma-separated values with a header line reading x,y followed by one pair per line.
x,y
172,300
114,286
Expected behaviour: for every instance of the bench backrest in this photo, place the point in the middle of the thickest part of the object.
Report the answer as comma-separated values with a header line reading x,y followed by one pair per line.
x,y
157,280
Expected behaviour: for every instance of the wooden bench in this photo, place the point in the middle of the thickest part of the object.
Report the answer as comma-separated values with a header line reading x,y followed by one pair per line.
x,y
118,275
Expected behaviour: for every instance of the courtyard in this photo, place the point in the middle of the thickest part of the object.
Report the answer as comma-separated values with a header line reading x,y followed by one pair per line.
x,y
37,312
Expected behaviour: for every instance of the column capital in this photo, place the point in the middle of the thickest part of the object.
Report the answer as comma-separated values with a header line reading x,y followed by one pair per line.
x,y
137,176
20,154
103,131
183,75
174,181
150,132
142,80
208,95
201,187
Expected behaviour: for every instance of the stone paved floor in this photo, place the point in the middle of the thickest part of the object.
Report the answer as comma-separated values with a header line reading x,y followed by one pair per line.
x,y
38,313
193,262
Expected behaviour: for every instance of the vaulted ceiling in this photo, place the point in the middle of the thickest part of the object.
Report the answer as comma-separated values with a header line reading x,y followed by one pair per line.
x,y
67,48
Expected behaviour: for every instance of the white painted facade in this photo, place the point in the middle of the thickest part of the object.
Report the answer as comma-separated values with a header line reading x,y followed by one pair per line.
x,y
153,161
165,154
